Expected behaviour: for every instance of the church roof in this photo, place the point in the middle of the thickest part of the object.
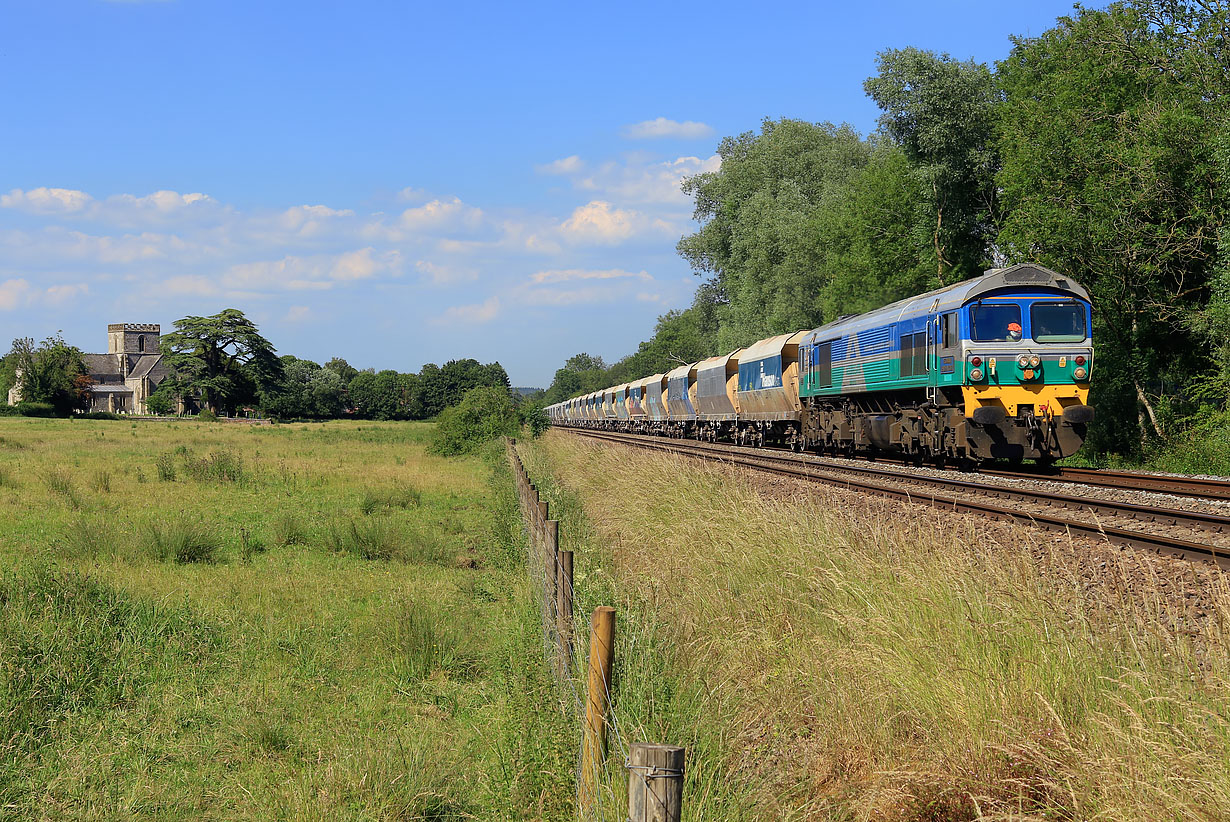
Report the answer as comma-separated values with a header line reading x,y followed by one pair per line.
x,y
101,364
143,365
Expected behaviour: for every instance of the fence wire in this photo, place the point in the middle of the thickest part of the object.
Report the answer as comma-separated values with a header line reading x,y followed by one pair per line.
x,y
571,691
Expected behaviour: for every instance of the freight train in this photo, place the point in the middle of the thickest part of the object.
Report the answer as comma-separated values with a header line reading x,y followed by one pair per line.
x,y
996,367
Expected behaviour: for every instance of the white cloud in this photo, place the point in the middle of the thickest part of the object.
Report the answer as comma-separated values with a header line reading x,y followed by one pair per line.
x,y
640,182
297,314
61,294
318,273
445,274
566,165
574,274
600,223
440,214
13,293
310,220
476,314
46,200
662,127
160,202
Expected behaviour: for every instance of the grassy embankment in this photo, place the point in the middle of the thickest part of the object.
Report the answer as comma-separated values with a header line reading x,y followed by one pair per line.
x,y
307,621
828,659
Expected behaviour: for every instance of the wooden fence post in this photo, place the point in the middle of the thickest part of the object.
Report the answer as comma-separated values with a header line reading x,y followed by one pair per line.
x,y
601,652
551,564
655,782
563,609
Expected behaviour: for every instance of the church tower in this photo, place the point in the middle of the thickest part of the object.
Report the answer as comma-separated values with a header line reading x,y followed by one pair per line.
x,y
133,338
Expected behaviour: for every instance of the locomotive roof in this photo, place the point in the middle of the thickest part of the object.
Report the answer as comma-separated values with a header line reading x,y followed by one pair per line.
x,y
1022,275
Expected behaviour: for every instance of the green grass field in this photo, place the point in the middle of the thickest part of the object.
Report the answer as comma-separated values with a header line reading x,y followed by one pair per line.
x,y
299,621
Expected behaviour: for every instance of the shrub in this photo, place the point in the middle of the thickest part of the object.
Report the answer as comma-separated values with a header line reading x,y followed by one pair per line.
x,y
98,415
207,415
182,541
36,409
484,414
534,418
9,411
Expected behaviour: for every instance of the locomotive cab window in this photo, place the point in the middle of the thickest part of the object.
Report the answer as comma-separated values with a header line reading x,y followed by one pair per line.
x,y
989,321
1057,322
949,332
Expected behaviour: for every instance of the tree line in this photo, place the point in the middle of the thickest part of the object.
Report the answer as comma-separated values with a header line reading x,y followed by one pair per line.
x,y
223,365
1100,148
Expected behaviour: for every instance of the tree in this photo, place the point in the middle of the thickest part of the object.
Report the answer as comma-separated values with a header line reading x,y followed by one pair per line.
x,y
757,237
305,390
386,395
1110,174
942,113
223,359
342,368
54,372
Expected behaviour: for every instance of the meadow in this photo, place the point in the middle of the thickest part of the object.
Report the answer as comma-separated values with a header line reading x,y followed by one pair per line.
x,y
824,657
202,620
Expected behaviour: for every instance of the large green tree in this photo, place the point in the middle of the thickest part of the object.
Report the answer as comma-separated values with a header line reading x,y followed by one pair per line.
x,y
223,360
942,113
52,372
757,240
305,390
1110,174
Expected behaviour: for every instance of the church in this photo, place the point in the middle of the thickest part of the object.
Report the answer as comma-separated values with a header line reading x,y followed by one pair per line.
x,y
127,374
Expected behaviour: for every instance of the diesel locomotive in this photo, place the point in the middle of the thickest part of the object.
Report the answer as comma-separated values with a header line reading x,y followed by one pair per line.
x,y
996,367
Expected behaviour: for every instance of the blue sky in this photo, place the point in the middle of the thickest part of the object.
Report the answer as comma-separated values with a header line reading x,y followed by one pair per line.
x,y
400,183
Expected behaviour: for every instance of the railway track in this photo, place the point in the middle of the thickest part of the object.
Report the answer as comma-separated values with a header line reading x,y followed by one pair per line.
x,y
1058,512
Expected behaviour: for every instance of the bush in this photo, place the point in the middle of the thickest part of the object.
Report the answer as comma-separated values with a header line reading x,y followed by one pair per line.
x,y
484,414
207,416
36,409
534,417
9,411
98,415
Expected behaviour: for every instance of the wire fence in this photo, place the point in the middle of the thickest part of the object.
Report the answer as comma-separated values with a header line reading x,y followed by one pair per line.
x,y
581,659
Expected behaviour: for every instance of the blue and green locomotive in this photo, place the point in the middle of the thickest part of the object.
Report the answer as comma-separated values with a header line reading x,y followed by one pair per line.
x,y
994,367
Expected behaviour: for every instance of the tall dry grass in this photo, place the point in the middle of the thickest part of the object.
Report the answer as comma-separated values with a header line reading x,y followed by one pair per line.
x,y
868,661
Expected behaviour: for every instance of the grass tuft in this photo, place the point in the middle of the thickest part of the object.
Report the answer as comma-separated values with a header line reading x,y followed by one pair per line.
x,y
366,539
60,483
182,540
288,529
401,496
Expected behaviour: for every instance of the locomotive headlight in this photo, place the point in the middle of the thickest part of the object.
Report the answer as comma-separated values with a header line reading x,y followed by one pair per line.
x,y
1080,359
1080,373
1023,361
975,361
976,375
1035,361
